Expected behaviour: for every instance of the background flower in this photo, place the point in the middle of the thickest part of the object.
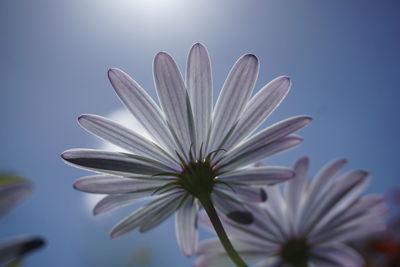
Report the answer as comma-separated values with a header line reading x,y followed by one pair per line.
x,y
307,222
12,190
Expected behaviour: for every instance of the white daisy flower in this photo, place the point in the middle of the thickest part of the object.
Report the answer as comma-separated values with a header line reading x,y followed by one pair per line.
x,y
197,153
305,224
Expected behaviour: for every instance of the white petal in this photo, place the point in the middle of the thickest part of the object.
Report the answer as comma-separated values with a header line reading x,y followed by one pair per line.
x,y
259,108
213,246
212,260
254,194
370,205
109,184
244,193
161,215
221,259
199,86
204,220
112,202
276,208
124,138
294,190
142,107
272,261
365,207
142,215
210,246
358,227
255,232
341,194
324,179
174,100
276,202
353,231
263,151
113,162
233,97
186,227
231,207
266,137
12,193
244,221
259,175
318,187
337,255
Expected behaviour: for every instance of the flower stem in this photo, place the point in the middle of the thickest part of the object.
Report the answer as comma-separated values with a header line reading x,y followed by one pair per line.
x,y
216,222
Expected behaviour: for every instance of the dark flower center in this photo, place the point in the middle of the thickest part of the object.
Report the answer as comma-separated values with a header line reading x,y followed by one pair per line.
x,y
296,252
197,176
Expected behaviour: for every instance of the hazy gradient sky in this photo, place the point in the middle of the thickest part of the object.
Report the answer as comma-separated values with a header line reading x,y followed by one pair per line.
x,y
343,58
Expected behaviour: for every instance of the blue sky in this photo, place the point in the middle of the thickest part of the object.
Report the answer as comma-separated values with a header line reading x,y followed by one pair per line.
x,y
343,58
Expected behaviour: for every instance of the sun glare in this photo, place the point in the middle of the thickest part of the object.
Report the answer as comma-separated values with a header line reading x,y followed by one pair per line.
x,y
158,4
153,6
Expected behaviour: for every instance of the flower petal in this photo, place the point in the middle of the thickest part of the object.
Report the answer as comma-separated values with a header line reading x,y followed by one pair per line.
x,y
161,215
113,162
199,86
319,186
12,193
362,208
266,137
276,207
124,138
324,179
272,261
337,255
142,215
210,260
355,229
247,157
108,184
233,98
259,108
256,232
142,107
214,246
174,100
186,227
342,193
294,189
17,248
218,258
245,193
112,202
231,207
258,175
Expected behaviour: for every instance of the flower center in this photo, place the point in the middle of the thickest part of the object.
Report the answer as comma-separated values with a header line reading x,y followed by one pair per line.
x,y
296,252
197,176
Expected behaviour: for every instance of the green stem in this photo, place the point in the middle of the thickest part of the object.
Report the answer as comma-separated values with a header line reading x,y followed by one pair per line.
x,y
216,222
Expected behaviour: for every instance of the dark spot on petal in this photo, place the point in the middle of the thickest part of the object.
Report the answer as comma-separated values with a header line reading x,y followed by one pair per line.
x,y
242,217
263,195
